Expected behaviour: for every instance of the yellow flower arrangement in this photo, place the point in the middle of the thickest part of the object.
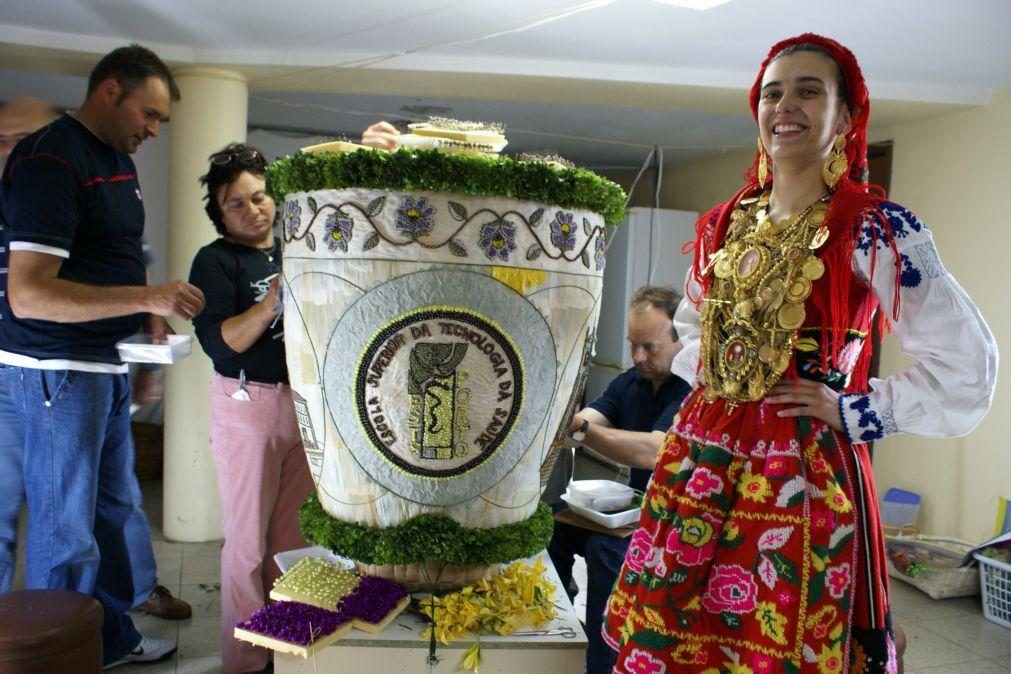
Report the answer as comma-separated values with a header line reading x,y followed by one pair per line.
x,y
518,597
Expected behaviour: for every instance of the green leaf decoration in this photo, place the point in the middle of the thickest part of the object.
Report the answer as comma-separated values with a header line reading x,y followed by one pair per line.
x,y
795,500
458,211
371,241
427,537
585,259
731,543
817,589
431,170
535,217
786,569
534,251
587,227
654,640
840,544
731,620
803,426
456,248
714,456
791,668
312,205
310,240
677,577
652,582
375,206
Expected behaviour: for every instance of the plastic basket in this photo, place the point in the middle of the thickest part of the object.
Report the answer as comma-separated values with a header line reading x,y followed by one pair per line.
x,y
995,583
941,577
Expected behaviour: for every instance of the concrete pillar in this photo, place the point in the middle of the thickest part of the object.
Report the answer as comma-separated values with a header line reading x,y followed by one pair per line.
x,y
211,114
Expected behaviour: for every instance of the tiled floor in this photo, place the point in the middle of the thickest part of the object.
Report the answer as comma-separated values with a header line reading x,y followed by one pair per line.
x,y
948,636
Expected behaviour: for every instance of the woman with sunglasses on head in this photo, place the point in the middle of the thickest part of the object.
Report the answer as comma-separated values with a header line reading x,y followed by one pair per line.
x,y
263,475
759,547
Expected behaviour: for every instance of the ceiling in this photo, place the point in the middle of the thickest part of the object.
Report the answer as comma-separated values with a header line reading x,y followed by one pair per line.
x,y
598,81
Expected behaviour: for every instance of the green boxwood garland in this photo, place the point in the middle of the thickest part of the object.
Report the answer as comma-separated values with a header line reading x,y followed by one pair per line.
x,y
427,537
435,171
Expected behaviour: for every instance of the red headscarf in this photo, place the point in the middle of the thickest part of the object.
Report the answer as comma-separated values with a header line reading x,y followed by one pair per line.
x,y
858,100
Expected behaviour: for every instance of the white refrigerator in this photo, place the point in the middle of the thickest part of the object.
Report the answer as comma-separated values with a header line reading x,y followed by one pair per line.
x,y
645,249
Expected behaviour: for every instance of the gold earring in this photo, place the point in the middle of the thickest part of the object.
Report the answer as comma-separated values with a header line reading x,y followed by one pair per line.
x,y
763,164
836,165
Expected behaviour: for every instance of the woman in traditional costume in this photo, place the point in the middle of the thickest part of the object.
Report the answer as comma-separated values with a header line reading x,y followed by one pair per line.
x,y
759,548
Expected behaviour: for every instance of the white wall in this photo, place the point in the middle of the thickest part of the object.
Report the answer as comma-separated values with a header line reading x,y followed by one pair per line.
x,y
955,173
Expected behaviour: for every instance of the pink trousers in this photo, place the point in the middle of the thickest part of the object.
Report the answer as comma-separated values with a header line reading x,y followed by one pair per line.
x,y
263,478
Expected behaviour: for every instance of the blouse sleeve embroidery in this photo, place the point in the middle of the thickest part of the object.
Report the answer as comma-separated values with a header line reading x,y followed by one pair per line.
x,y
950,386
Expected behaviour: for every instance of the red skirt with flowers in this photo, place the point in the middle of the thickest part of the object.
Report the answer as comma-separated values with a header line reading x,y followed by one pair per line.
x,y
758,550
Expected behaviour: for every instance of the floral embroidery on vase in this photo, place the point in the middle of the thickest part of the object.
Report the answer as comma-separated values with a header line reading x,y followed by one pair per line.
x,y
338,229
415,217
563,231
498,239
292,216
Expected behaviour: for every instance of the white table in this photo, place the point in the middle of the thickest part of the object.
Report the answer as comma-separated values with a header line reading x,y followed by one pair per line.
x,y
399,649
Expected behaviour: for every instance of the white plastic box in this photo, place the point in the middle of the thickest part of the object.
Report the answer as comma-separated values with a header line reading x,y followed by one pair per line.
x,y
899,511
140,349
599,494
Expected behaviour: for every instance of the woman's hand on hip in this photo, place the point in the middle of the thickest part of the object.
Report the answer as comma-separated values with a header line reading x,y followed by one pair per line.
x,y
806,398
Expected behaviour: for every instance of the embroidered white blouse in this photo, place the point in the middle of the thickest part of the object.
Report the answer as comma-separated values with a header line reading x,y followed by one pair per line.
x,y
948,390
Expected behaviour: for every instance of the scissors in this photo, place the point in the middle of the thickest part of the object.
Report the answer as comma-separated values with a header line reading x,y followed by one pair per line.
x,y
566,632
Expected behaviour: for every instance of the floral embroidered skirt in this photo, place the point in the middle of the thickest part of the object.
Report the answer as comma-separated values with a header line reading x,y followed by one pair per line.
x,y
758,550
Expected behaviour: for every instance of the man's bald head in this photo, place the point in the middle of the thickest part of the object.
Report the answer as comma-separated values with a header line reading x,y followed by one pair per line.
x,y
20,117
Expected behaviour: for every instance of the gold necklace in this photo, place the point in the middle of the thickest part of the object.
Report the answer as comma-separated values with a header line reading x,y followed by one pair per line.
x,y
755,302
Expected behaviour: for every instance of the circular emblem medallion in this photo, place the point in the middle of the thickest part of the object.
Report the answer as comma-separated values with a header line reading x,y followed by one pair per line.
x,y
462,391
439,382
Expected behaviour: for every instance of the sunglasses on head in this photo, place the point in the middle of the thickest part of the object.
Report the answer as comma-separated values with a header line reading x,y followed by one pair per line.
x,y
226,158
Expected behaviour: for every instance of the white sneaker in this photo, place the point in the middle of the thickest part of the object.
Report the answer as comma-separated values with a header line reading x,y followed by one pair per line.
x,y
148,650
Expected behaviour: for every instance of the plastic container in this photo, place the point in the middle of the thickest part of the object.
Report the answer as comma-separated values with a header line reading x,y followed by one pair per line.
x,y
140,349
599,495
995,583
610,520
932,564
899,510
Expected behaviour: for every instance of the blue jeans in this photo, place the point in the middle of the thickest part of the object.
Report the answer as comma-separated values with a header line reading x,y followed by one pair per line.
x,y
143,568
604,555
12,495
12,492
79,482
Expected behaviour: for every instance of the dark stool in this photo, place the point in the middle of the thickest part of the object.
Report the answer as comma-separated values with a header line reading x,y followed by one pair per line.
x,y
50,631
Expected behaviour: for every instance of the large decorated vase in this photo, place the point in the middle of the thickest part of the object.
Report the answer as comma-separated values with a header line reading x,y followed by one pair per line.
x,y
438,313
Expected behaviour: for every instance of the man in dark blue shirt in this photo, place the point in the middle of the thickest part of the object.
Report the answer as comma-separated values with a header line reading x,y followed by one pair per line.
x,y
73,218
626,424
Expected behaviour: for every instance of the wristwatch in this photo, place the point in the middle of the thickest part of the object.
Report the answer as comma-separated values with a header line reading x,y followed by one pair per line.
x,y
580,434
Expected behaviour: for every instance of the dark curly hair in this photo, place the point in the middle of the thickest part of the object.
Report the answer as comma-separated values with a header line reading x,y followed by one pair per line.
x,y
226,165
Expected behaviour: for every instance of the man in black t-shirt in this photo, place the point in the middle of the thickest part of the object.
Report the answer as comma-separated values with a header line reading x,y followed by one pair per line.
x,y
627,424
73,219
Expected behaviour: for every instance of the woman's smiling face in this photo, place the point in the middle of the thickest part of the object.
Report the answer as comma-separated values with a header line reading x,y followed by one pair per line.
x,y
801,109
